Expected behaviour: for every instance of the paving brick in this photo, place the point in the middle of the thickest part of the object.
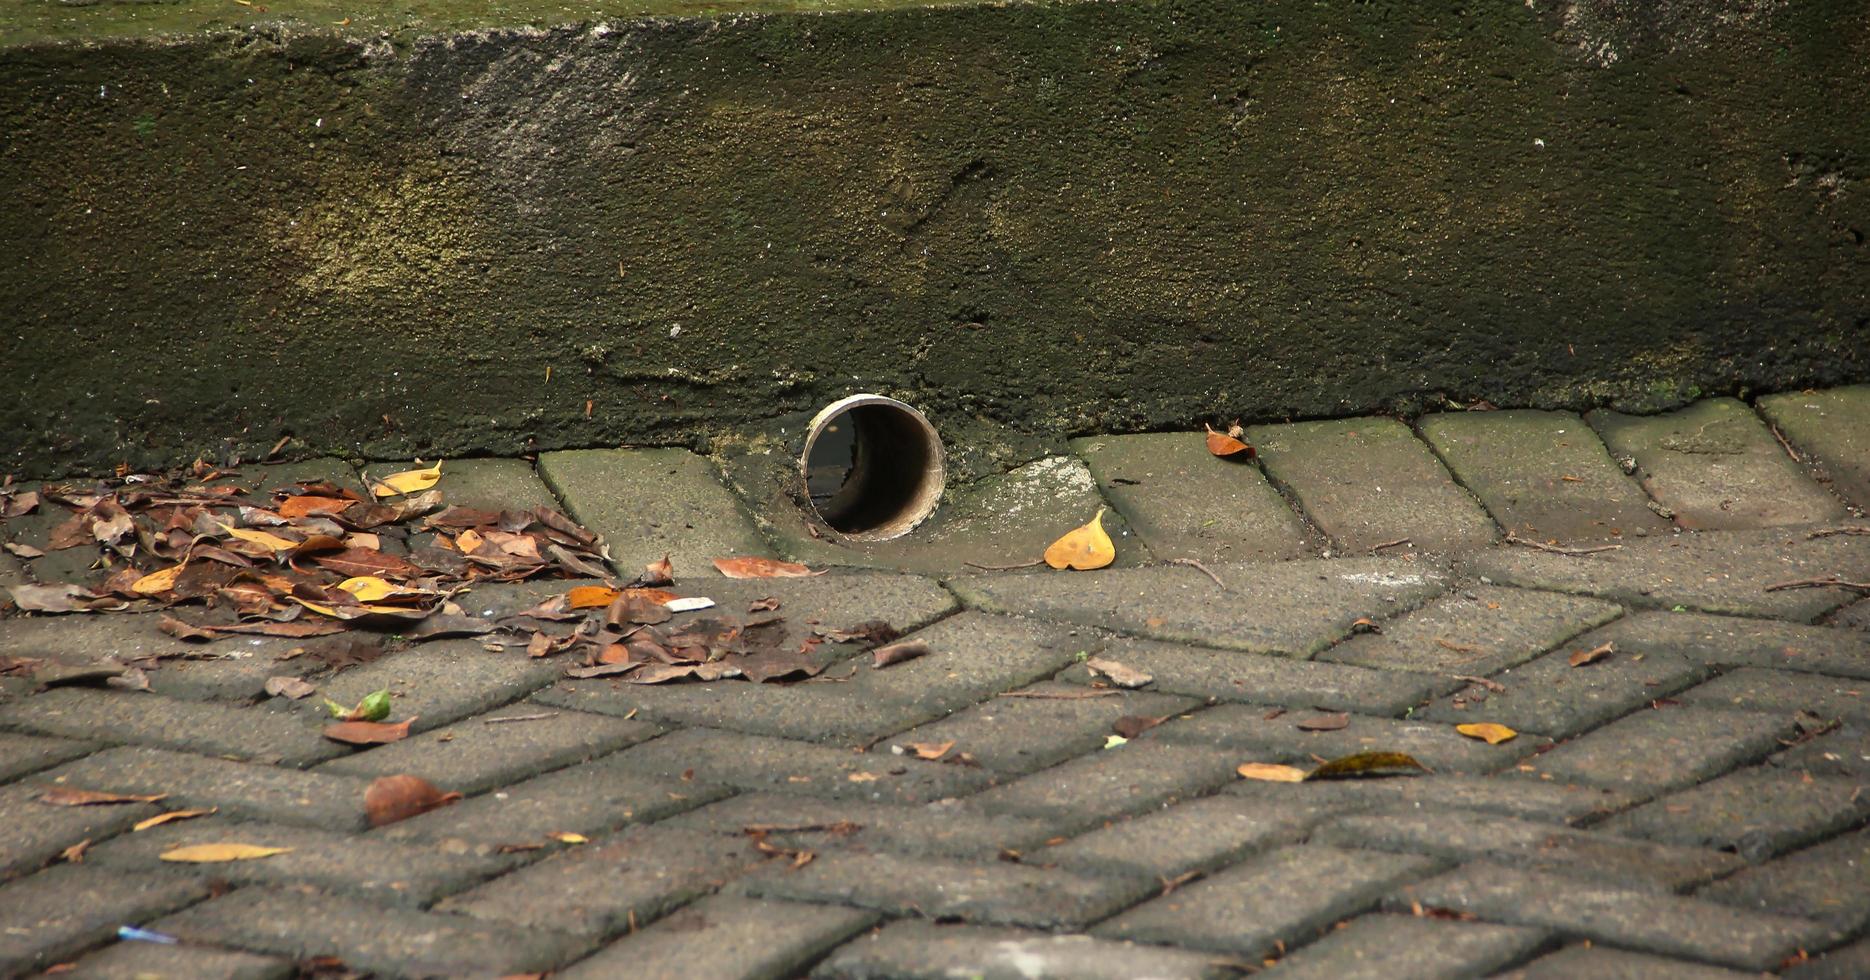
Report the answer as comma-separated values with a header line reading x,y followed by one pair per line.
x,y
1543,475
1199,835
153,961
942,829
999,519
1754,813
1728,641
1233,675
1832,430
483,752
1844,751
366,936
1631,918
1829,882
1779,691
727,938
1186,503
1025,734
233,669
751,762
242,790
592,799
1712,571
36,832
974,656
1844,963
1655,751
48,917
438,682
1253,737
650,502
1551,697
1855,616
1379,947
1475,631
23,754
231,731
382,871
1602,963
1111,782
1297,607
1286,897
912,950
1717,467
1522,798
605,887
483,484
1455,835
1368,481
986,893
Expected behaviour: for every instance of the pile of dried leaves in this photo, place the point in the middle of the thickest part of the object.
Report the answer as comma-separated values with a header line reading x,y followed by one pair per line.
x,y
313,559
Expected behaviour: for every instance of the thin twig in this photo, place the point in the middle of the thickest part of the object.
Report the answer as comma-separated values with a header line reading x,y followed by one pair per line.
x,y
1059,695
1555,549
1783,444
540,716
1491,685
1003,568
1399,542
1203,569
1826,532
1820,583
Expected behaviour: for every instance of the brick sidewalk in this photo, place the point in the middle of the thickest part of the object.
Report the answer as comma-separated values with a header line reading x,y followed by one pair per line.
x,y
1692,805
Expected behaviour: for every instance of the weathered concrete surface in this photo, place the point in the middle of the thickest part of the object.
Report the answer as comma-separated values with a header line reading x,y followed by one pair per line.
x,y
378,235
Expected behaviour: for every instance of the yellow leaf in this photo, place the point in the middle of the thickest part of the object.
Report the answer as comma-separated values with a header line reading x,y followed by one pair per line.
x,y
261,538
162,818
155,582
369,588
590,596
219,853
1086,548
467,541
408,481
566,837
1487,732
1271,773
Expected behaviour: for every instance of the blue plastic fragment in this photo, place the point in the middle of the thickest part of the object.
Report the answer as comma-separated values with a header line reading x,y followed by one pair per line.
x,y
133,934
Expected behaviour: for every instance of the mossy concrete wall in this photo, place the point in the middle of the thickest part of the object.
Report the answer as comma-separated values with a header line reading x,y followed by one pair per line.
x,y
455,227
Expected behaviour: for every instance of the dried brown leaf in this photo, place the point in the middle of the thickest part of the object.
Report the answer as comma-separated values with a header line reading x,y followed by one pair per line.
x,y
896,653
1119,674
1224,445
1130,726
1593,655
761,568
368,732
171,816
392,798
1365,764
1328,722
68,796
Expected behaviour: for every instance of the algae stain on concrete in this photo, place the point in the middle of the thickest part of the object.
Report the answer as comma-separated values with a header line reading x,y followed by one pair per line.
x,y
410,233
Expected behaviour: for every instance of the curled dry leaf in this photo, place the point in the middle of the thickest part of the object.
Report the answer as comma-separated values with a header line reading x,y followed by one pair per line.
x,y
659,572
1130,726
1366,764
930,750
158,581
761,568
62,597
288,687
591,597
1270,772
1119,674
1487,732
271,542
393,798
75,853
1593,655
1330,722
1083,548
408,481
171,816
765,604
368,732
896,653
220,853
67,796
1224,444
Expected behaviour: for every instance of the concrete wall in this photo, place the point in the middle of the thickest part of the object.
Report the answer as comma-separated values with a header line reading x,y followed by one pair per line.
x,y
379,237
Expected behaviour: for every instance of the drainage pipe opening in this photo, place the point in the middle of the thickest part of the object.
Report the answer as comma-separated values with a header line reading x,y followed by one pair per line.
x,y
873,467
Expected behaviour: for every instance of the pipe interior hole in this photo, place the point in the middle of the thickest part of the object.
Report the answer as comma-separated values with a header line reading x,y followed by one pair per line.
x,y
873,470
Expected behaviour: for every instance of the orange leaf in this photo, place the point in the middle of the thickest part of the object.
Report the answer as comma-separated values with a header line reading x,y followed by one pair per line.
x,y
1487,732
591,597
761,568
220,853
162,818
1085,548
393,798
1592,655
368,732
1268,772
930,750
659,572
1223,445
307,506
155,582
